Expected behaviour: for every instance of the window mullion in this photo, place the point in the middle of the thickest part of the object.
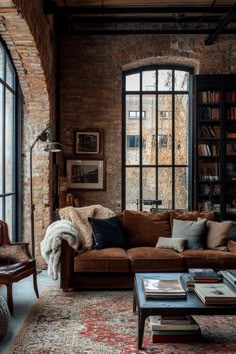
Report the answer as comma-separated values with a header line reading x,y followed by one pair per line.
x,y
173,141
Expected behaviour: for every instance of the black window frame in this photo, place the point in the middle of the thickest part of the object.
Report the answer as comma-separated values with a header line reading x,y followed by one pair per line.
x,y
173,92
16,191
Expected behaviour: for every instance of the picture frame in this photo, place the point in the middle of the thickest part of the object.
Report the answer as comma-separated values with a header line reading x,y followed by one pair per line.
x,y
86,174
88,142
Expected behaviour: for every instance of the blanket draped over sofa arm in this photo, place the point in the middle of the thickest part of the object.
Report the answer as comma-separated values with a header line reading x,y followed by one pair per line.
x,y
51,244
75,229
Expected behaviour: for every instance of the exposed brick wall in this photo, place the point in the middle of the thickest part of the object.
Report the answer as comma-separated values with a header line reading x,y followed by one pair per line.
x,y
91,87
31,48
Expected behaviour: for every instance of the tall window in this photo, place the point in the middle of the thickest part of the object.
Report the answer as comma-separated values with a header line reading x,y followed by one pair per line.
x,y
9,144
156,145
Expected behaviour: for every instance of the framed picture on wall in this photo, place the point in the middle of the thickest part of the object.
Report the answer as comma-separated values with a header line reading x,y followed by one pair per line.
x,y
88,142
85,174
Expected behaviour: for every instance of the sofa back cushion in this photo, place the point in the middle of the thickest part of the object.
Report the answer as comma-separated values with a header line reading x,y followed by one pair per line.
x,y
144,228
190,215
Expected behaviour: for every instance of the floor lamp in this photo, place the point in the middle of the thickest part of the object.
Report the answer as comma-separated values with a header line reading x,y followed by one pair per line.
x,y
45,136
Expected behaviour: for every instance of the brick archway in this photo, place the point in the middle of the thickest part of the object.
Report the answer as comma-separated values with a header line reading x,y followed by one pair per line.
x,y
23,48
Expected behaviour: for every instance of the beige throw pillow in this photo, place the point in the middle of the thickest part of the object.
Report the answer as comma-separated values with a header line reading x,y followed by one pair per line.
x,y
217,234
176,244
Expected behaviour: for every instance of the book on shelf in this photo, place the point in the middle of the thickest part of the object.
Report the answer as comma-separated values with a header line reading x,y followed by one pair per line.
x,y
163,288
187,324
215,294
204,274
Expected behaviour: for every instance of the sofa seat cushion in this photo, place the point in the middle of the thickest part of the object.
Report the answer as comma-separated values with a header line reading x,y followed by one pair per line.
x,y
144,228
209,259
149,259
105,260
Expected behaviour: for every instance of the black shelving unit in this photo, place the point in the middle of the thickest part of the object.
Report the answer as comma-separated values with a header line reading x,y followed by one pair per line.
x,y
215,145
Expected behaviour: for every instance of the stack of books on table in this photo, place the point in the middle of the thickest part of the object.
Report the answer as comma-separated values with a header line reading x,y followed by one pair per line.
x,y
174,329
199,275
215,294
155,288
229,276
204,275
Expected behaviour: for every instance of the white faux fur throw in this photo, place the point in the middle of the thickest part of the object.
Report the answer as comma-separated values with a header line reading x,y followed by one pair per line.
x,y
79,217
51,244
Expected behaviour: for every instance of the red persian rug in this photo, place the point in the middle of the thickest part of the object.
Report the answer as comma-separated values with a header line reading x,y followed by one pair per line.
x,y
103,322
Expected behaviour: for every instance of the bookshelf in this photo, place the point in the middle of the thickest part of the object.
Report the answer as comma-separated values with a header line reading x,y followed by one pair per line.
x,y
215,145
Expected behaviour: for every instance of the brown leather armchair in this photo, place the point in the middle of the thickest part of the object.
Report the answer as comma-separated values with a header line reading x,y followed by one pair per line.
x,y
16,263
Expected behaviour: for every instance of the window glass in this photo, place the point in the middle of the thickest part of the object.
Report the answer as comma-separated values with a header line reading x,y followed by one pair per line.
x,y
149,81
9,154
149,130
132,131
10,73
132,82
164,140
181,129
181,80
132,188
164,80
149,186
1,61
9,142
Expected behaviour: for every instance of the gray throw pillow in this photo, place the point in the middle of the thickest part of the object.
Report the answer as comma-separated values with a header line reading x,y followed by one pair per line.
x,y
176,244
193,231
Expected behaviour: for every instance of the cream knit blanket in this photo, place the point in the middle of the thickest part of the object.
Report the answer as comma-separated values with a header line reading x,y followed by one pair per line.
x,y
51,244
79,217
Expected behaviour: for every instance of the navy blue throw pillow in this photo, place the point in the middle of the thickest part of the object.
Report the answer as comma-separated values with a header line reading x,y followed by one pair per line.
x,y
107,233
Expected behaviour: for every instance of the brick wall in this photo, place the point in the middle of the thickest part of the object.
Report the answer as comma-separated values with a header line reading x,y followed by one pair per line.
x,y
30,44
91,88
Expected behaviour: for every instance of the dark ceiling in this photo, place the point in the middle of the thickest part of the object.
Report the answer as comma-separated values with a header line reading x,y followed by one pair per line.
x,y
211,18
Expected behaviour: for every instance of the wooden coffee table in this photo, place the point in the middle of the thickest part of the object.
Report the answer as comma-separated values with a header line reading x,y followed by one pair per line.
x,y
192,305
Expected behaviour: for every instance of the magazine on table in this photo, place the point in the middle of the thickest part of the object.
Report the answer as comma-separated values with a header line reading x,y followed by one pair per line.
x,y
162,288
215,293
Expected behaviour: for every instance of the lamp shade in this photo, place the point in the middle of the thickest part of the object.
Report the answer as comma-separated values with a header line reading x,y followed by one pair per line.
x,y
52,147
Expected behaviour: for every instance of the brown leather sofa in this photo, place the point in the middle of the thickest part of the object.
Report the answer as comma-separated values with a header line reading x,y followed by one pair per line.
x,y
114,268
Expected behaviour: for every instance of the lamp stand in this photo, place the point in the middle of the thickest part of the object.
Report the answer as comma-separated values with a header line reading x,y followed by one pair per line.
x,y
45,135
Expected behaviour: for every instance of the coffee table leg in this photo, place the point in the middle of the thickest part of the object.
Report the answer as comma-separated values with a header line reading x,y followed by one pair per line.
x,y
141,324
134,300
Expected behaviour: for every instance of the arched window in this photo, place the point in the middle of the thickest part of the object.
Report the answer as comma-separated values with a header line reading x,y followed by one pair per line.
x,y
157,137
10,145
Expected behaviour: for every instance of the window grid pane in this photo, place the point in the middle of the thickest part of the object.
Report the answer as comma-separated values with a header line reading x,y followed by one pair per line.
x,y
163,120
8,129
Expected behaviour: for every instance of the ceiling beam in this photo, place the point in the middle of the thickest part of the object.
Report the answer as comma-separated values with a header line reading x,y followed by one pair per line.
x,y
221,25
154,19
141,31
134,10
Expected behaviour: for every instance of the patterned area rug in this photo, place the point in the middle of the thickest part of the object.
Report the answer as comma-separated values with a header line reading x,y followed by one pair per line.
x,y
103,322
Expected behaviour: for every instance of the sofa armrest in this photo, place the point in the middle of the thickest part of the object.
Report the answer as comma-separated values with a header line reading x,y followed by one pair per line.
x,y
67,265
231,246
